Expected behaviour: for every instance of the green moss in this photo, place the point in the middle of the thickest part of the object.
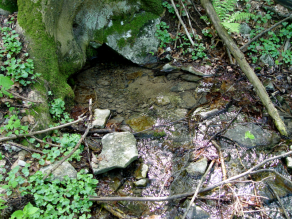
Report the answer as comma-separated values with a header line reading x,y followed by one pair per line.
x,y
154,6
132,23
43,49
9,5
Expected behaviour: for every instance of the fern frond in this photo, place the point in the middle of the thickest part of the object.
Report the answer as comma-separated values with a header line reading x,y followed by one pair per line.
x,y
232,27
239,16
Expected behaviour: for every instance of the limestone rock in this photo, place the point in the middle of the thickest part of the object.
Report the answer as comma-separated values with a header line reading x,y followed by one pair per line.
x,y
118,151
197,168
65,169
100,117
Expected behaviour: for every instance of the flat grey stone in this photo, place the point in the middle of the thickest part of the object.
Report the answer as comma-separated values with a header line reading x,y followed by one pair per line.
x,y
118,151
261,137
197,168
100,117
141,183
65,169
191,78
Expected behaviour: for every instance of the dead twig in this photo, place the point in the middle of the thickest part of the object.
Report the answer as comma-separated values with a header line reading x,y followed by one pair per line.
x,y
42,141
24,148
198,188
223,167
42,131
24,98
279,200
181,21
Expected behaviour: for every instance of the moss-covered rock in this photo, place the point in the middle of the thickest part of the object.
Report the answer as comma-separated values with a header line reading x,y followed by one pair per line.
x,y
9,5
62,34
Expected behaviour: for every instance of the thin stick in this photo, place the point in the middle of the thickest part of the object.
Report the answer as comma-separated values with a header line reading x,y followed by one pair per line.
x,y
24,148
77,145
198,188
42,131
186,30
262,33
223,167
42,141
188,18
279,200
17,95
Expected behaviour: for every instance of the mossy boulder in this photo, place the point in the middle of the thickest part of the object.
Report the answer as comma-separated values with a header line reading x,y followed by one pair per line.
x,y
63,33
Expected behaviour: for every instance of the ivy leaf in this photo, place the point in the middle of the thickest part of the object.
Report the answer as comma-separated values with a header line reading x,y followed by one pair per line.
x,y
249,135
5,82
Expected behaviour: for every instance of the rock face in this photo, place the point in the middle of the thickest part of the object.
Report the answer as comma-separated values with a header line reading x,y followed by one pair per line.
x,y
118,151
81,26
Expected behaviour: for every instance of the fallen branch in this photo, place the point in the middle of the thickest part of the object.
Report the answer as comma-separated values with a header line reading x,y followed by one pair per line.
x,y
179,196
198,188
23,147
42,131
182,23
239,56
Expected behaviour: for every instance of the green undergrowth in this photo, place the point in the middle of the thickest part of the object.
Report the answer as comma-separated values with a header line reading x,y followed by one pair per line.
x,y
196,51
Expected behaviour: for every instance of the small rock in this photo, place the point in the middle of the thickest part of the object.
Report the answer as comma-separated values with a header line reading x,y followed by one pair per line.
x,y
21,163
104,82
268,84
119,110
141,183
192,70
162,100
191,78
267,59
289,162
65,169
169,68
197,168
141,172
3,12
244,28
173,76
100,117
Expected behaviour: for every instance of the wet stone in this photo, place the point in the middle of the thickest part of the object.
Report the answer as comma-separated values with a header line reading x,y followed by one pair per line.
x,y
162,100
141,183
191,78
100,117
118,151
197,168
258,137
289,162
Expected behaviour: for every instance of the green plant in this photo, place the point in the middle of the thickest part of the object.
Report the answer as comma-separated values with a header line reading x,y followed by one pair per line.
x,y
67,143
2,205
249,135
14,179
20,70
6,84
57,108
28,212
287,56
61,199
162,34
14,125
223,8
168,6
